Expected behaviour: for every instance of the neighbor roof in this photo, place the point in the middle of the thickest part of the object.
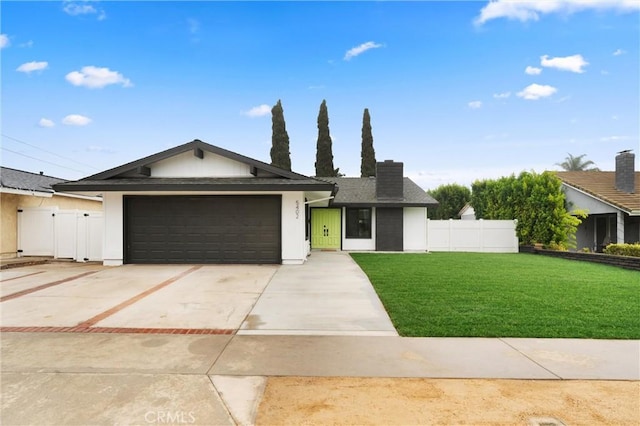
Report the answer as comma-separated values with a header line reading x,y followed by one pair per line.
x,y
128,178
602,185
27,181
361,192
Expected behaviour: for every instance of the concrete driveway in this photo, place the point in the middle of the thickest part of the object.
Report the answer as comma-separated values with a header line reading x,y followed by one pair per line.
x,y
328,295
65,296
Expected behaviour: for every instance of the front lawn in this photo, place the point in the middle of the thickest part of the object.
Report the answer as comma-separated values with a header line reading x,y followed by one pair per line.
x,y
504,295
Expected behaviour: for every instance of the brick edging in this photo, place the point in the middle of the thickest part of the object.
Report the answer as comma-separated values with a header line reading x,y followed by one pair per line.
x,y
119,330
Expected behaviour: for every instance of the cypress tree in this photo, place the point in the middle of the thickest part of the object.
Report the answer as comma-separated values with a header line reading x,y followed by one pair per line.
x,y
280,155
324,154
368,154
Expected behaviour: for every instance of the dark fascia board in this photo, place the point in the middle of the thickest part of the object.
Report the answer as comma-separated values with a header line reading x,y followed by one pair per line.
x,y
79,186
193,145
387,204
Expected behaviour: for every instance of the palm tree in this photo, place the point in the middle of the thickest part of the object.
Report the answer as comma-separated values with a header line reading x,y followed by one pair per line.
x,y
576,164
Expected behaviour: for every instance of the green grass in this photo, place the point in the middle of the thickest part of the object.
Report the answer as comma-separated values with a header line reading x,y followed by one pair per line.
x,y
504,295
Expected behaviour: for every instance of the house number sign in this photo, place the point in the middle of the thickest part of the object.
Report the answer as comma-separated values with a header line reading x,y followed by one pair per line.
x,y
297,209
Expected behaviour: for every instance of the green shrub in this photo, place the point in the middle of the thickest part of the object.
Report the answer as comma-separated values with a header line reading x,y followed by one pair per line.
x,y
556,246
623,249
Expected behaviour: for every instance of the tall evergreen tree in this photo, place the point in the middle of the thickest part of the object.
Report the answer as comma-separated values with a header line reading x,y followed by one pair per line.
x,y
368,154
324,154
280,155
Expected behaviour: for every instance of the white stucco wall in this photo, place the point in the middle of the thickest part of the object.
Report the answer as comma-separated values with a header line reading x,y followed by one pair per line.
x,y
415,229
188,165
358,244
294,250
294,245
113,242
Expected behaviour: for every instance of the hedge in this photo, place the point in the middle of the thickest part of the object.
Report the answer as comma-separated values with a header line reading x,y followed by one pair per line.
x,y
623,249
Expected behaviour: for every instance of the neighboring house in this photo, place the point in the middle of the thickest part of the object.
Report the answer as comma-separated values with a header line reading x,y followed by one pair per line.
x,y
198,203
610,198
383,213
20,190
467,212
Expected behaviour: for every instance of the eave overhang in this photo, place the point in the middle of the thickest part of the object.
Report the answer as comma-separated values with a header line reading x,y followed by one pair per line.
x,y
149,185
384,204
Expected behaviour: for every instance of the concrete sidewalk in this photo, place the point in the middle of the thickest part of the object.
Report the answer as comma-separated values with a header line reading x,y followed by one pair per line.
x,y
68,378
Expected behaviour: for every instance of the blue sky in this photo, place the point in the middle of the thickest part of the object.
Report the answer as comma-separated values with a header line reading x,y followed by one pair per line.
x,y
458,91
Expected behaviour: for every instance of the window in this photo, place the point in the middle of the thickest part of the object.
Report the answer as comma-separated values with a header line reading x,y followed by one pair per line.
x,y
359,223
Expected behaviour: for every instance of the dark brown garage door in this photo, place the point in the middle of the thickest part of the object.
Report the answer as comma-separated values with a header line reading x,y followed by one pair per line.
x,y
202,229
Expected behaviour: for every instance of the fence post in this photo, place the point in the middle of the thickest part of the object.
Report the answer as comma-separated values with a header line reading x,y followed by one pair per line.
x,y
481,235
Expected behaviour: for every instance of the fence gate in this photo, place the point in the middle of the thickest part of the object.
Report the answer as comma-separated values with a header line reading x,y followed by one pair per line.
x,y
62,234
36,231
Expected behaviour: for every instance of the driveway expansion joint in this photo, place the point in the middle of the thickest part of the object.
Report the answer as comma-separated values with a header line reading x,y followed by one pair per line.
x,y
530,359
44,286
92,321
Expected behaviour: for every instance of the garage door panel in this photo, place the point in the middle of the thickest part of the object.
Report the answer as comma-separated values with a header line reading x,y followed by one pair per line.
x,y
204,229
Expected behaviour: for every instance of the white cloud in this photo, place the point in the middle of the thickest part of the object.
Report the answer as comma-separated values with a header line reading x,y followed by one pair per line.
x,y
75,8
258,111
532,10
97,78
619,52
536,91
32,66
475,104
45,122
26,44
194,25
614,138
358,50
573,63
96,148
532,70
76,120
504,95
4,41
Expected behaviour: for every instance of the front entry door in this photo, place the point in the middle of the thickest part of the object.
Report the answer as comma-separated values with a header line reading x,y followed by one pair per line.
x,y
325,229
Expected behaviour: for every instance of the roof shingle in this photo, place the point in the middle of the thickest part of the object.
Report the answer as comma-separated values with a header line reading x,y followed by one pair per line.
x,y
602,185
355,192
27,181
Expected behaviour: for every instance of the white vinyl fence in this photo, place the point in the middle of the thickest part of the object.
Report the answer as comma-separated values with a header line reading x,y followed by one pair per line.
x,y
63,234
489,236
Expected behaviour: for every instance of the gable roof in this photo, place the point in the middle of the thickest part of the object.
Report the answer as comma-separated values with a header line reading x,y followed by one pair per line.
x,y
191,146
128,177
602,186
361,192
27,181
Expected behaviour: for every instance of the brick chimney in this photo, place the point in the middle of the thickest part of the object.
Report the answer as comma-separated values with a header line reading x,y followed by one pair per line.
x,y
625,172
389,180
